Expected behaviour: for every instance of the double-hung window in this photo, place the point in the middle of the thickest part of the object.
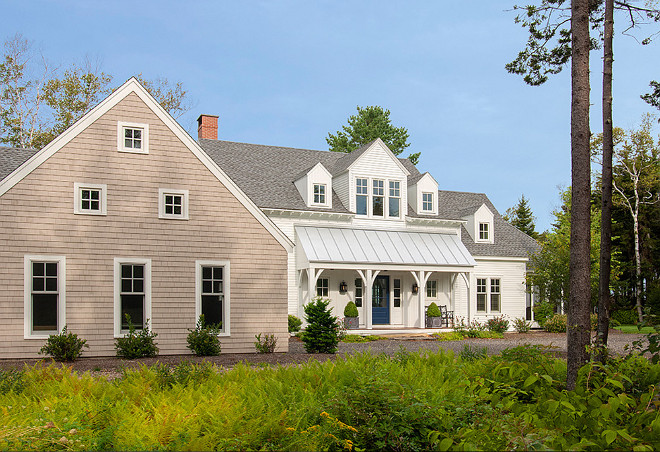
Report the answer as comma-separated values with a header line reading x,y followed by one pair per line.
x,y
132,294
481,294
361,196
89,199
397,293
212,287
132,137
378,199
172,203
44,295
395,199
484,231
427,202
358,292
495,295
431,289
322,287
319,193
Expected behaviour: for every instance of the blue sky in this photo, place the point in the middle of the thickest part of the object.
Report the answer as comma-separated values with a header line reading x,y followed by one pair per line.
x,y
288,72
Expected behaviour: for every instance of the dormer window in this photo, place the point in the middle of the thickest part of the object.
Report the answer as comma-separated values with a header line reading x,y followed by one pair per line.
x,y
395,199
378,198
427,202
484,231
361,196
319,193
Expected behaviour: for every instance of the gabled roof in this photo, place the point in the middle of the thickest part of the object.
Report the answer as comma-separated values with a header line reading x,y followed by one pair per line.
x,y
346,162
133,86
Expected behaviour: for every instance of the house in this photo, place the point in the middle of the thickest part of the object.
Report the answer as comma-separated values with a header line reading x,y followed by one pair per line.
x,y
368,227
124,213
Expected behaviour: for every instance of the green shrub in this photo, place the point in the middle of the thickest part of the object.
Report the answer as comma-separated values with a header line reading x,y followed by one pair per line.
x,y
137,343
265,345
11,381
625,317
497,324
203,340
448,336
521,325
556,324
543,311
470,353
64,346
351,310
433,311
294,324
527,353
471,330
322,332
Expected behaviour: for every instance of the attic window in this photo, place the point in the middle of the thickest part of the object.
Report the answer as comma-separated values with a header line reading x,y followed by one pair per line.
x,y
427,202
132,137
319,193
484,231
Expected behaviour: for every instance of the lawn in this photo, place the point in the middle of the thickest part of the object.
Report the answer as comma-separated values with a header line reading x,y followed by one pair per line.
x,y
408,401
633,329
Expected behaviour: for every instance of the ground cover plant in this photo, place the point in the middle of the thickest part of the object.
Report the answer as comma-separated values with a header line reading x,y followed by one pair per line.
x,y
409,401
352,338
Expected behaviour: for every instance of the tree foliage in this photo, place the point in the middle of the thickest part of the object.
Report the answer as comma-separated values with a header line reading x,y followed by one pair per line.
x,y
39,102
521,217
653,98
370,123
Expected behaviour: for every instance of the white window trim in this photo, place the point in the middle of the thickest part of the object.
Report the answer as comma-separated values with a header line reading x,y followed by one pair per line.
x,y
121,125
77,201
117,297
488,311
225,331
490,232
27,294
320,204
386,198
161,203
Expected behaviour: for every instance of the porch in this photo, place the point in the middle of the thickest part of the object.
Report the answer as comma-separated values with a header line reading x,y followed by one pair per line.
x,y
391,276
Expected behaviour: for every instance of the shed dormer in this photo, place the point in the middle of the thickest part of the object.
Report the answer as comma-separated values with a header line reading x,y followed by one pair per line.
x,y
423,195
480,224
315,186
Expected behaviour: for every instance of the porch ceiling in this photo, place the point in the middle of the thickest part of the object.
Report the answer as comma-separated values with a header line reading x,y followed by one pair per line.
x,y
348,246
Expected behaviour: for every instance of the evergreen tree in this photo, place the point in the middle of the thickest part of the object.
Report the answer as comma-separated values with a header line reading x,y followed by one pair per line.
x,y
322,332
521,217
371,123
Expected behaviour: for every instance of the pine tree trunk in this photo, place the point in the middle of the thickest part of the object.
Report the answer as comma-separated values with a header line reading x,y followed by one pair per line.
x,y
578,331
638,262
606,202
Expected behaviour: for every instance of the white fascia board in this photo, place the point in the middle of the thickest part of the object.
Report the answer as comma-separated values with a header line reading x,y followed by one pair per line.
x,y
133,86
389,267
427,175
387,150
500,258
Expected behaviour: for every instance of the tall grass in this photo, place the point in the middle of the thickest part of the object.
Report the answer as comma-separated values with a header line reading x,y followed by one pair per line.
x,y
411,401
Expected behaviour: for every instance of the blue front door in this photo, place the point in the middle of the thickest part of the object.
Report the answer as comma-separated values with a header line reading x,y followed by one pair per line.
x,y
380,300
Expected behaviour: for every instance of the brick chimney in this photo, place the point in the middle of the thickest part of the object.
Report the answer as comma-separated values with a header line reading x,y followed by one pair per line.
x,y
207,127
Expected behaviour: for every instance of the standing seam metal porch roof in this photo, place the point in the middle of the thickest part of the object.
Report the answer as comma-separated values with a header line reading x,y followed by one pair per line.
x,y
343,245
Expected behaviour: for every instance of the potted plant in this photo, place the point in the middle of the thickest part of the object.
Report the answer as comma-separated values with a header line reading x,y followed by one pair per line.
x,y
433,316
351,321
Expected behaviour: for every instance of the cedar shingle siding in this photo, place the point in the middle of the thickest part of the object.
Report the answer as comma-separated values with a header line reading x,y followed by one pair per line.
x,y
36,217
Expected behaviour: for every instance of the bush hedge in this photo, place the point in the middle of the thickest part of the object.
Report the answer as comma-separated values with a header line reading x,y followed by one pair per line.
x,y
64,346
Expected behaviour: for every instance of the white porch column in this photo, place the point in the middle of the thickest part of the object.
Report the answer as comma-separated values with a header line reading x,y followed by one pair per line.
x,y
367,297
466,278
421,278
312,276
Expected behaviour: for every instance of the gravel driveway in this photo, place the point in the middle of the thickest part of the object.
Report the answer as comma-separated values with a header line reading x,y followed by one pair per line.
x,y
111,367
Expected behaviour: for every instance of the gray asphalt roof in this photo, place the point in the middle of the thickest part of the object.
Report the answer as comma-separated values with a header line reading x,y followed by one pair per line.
x,y
267,174
12,158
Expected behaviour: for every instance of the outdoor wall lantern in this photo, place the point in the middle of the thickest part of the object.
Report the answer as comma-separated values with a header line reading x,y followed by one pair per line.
x,y
343,287
415,288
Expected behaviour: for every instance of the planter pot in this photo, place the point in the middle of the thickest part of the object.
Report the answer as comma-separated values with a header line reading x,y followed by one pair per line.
x,y
351,323
433,322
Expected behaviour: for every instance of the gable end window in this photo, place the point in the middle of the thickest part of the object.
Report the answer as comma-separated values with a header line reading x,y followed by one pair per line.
x,y
484,231
89,199
132,294
427,202
361,196
212,293
319,193
133,137
45,295
395,200
172,204
378,200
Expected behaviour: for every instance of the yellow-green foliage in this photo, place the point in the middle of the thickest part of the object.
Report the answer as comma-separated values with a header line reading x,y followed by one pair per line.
x,y
411,401
358,338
